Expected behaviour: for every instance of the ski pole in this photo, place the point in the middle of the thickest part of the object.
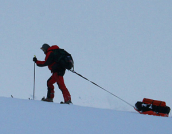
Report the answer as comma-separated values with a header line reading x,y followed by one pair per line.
x,y
34,82
102,88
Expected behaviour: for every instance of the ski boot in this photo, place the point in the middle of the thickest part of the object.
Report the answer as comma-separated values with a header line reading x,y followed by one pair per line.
x,y
47,99
68,102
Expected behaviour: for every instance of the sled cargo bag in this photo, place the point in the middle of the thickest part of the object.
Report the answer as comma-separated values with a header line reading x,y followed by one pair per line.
x,y
152,107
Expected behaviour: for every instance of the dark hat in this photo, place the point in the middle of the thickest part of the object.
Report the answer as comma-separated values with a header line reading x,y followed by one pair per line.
x,y
45,47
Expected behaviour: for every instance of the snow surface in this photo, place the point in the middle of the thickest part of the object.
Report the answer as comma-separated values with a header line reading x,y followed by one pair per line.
x,y
19,116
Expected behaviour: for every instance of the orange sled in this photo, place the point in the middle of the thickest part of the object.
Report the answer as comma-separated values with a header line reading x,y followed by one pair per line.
x,y
152,107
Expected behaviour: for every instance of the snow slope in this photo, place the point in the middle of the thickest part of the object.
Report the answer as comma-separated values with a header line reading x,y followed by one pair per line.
x,y
20,116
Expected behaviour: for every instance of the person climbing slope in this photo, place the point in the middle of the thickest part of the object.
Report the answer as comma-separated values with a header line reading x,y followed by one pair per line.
x,y
58,70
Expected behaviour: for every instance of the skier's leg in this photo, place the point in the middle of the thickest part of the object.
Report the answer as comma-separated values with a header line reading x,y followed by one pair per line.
x,y
62,87
50,87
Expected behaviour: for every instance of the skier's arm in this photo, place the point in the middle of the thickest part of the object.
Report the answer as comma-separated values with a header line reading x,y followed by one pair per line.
x,y
48,60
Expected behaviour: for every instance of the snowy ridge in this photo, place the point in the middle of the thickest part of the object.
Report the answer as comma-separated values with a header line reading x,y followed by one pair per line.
x,y
36,117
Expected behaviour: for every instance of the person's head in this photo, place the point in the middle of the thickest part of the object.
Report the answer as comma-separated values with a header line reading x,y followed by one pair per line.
x,y
45,47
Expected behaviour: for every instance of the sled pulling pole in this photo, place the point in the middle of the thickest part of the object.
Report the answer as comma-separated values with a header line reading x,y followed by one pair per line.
x,y
102,88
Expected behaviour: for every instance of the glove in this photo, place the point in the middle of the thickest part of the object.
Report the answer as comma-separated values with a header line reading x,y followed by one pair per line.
x,y
35,59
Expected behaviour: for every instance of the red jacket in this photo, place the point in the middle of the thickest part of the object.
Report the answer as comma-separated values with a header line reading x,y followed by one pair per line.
x,y
48,58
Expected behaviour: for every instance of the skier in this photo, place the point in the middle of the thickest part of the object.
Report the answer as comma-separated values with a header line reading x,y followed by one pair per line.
x,y
57,74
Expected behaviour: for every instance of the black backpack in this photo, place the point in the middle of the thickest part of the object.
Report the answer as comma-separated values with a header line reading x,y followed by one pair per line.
x,y
63,58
